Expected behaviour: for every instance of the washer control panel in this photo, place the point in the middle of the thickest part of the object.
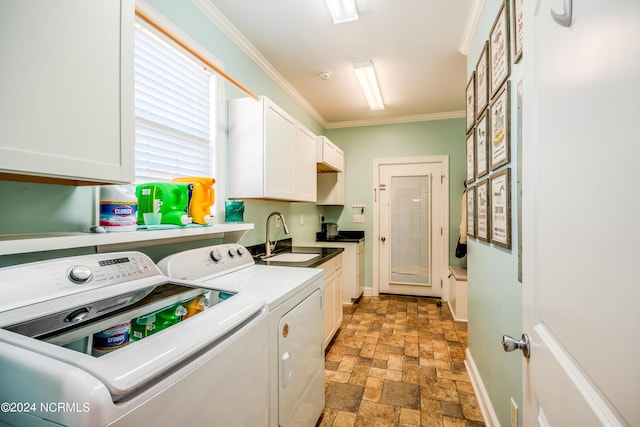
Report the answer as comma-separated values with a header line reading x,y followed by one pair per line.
x,y
44,280
209,261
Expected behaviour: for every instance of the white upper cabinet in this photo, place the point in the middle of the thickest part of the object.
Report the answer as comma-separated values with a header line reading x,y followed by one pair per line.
x,y
66,109
265,160
330,157
331,188
305,164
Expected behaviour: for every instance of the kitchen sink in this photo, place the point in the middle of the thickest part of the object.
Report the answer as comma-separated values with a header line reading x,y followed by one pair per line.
x,y
292,257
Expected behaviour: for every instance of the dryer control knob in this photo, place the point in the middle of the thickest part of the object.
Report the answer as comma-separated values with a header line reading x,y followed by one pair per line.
x,y
232,253
80,274
240,251
215,255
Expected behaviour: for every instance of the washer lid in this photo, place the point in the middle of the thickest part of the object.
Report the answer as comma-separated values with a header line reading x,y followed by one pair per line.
x,y
276,284
141,362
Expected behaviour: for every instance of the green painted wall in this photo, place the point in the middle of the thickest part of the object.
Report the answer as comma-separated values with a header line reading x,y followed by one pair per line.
x,y
361,145
37,208
495,295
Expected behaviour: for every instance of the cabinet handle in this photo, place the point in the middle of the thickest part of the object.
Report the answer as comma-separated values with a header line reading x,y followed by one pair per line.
x,y
564,18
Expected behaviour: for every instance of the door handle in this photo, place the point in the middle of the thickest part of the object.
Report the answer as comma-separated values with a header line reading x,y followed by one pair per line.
x,y
564,18
511,344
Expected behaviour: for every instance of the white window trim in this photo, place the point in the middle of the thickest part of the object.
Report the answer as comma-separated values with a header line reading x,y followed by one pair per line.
x,y
220,137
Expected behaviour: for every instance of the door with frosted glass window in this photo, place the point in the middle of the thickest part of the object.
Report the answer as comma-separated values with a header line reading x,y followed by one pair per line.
x,y
411,229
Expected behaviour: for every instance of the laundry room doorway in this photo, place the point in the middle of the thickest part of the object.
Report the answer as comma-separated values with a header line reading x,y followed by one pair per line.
x,y
411,211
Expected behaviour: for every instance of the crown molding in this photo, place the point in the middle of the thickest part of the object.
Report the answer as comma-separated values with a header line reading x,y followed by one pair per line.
x,y
397,120
221,21
470,28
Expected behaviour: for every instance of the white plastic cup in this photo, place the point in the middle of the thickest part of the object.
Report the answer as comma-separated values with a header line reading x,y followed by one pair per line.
x,y
151,218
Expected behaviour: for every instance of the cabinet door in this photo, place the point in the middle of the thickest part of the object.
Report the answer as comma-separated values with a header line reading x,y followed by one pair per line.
x,y
305,165
329,307
337,306
66,109
279,153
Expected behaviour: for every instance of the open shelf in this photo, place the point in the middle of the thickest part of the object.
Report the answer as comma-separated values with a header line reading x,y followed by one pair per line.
x,y
11,244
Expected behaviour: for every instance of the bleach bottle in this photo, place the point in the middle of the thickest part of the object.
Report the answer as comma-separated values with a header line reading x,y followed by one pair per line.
x,y
118,208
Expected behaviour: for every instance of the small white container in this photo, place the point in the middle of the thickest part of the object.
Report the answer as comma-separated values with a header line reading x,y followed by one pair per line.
x,y
118,208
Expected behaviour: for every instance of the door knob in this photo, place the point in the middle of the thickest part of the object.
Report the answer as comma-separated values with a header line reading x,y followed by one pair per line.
x,y
383,239
511,344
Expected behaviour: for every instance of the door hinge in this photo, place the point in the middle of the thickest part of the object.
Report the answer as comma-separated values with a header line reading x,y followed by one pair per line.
x,y
441,231
441,179
440,283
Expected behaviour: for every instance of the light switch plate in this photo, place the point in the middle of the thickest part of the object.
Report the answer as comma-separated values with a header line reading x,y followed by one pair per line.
x,y
358,219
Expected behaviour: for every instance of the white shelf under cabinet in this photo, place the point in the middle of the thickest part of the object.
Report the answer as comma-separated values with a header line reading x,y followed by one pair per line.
x,y
11,244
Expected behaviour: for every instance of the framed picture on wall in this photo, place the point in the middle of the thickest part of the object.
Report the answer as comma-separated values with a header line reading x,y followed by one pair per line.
x,y
517,7
482,202
482,147
499,128
482,80
501,208
499,64
471,211
471,101
471,157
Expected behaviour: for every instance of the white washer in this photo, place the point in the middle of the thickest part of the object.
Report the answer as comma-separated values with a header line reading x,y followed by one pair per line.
x,y
208,369
294,300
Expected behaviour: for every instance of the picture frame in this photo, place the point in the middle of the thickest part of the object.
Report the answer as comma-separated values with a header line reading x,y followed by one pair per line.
x,y
482,80
499,134
471,101
499,64
471,212
501,208
482,202
471,157
482,145
517,17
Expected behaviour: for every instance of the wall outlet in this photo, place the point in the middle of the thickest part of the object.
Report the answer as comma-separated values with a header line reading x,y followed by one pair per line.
x,y
278,221
301,219
358,218
514,413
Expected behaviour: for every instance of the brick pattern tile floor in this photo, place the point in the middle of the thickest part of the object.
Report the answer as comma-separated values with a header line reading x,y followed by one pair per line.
x,y
398,361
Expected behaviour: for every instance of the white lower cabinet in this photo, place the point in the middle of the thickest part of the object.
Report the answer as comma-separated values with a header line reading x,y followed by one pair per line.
x,y
352,268
332,297
458,293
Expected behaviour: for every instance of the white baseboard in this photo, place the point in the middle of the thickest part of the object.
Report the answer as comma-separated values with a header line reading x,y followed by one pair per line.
x,y
490,417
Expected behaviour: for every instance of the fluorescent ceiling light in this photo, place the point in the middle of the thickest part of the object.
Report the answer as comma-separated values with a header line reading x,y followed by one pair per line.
x,y
342,10
367,79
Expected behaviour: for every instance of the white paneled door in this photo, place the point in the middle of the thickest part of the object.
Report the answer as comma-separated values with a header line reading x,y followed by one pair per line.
x,y
580,213
411,229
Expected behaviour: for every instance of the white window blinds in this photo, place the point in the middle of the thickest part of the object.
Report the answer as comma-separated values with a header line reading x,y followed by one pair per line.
x,y
174,109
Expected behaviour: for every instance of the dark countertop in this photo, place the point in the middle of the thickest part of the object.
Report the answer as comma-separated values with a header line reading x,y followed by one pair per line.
x,y
284,246
346,236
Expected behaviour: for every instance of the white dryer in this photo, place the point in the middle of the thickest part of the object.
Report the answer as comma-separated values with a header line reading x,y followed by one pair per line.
x,y
67,356
294,300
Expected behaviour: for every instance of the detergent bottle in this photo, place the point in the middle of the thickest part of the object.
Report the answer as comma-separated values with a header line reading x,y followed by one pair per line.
x,y
202,198
169,316
196,305
143,326
118,208
167,198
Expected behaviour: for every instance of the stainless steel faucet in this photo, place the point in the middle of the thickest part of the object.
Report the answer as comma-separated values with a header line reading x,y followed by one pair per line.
x,y
269,247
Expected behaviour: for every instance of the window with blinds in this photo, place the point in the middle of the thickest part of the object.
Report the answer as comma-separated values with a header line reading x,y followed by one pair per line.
x,y
174,111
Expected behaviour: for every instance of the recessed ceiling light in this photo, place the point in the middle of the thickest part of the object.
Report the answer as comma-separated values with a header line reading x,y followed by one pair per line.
x,y
342,10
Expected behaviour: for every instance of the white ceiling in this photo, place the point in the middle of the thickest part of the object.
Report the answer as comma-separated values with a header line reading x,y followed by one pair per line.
x,y
415,46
